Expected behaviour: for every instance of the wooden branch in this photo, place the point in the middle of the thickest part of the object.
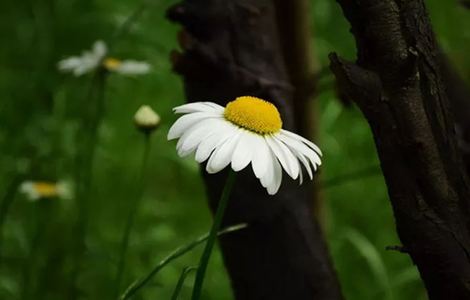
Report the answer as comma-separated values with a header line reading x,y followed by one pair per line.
x,y
397,84
295,37
231,48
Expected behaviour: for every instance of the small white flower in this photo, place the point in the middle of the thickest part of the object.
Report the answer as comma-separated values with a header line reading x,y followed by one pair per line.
x,y
126,67
35,190
146,118
85,63
91,60
248,130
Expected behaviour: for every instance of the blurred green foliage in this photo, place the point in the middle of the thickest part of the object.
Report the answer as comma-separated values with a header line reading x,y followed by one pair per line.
x,y
41,115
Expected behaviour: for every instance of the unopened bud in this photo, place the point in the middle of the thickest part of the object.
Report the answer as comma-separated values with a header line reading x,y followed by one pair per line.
x,y
146,119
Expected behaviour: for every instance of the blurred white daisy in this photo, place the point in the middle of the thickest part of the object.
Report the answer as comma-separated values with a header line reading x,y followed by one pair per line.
x,y
146,119
126,67
97,57
85,63
35,190
248,130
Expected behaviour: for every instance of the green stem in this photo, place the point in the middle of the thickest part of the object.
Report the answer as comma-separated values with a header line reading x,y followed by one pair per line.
x,y
179,284
201,271
140,283
7,201
91,122
131,216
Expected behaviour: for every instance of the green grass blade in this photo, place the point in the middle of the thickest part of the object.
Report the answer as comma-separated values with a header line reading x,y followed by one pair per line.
x,y
373,259
140,283
180,282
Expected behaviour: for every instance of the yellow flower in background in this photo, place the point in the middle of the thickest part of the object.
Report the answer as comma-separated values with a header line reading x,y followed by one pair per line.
x,y
35,190
97,57
146,119
248,130
112,63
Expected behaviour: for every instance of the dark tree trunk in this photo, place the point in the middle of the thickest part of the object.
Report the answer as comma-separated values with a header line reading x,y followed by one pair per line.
x,y
231,48
397,83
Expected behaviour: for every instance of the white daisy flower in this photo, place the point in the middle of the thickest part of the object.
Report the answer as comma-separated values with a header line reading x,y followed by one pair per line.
x,y
35,190
126,67
85,63
248,130
91,60
146,119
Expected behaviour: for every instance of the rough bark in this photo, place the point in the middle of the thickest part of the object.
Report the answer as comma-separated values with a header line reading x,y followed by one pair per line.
x,y
397,83
231,48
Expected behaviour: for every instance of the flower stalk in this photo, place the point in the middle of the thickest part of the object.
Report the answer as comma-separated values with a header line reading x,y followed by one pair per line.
x,y
91,121
201,271
132,213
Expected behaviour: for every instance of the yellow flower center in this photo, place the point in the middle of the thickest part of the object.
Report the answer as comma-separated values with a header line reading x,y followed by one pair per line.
x,y
46,189
111,63
254,114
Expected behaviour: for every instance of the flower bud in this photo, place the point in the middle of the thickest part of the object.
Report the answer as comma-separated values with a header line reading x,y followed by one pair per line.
x,y
146,119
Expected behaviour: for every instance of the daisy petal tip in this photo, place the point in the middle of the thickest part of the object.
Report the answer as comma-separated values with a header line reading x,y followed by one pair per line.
x,y
236,168
171,136
211,171
272,191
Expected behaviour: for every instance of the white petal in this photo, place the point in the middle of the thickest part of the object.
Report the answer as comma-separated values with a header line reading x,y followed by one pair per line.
x,y
69,64
99,49
292,160
285,156
243,152
302,139
187,121
305,163
189,141
301,148
223,155
133,67
299,155
261,157
267,179
199,107
277,177
218,136
65,190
